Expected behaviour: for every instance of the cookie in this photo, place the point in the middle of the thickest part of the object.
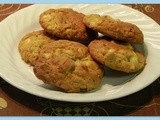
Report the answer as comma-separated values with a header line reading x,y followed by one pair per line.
x,y
65,23
30,45
69,66
116,56
114,29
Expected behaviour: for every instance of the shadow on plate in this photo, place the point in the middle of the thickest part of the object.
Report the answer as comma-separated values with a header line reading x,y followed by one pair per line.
x,y
114,78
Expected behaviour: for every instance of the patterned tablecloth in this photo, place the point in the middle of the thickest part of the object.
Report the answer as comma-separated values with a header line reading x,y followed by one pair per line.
x,y
144,103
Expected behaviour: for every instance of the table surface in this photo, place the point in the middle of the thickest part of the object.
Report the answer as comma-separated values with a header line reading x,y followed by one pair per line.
x,y
14,102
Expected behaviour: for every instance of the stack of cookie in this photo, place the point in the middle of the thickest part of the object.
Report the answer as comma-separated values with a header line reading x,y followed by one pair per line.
x,y
115,50
68,52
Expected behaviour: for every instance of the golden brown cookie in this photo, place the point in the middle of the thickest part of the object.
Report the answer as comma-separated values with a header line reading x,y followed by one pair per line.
x,y
66,23
69,66
114,29
116,56
30,45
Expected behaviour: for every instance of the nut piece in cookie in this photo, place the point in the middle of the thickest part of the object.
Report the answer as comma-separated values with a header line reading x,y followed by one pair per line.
x,y
114,29
116,56
30,45
69,66
66,23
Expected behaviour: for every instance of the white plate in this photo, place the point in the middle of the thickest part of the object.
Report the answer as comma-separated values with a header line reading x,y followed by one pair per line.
x,y
115,85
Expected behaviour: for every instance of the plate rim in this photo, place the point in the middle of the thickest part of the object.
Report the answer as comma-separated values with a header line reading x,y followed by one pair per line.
x,y
61,99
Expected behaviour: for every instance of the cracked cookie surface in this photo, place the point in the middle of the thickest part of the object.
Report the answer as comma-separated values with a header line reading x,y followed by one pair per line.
x,y
30,45
116,56
69,66
65,23
114,29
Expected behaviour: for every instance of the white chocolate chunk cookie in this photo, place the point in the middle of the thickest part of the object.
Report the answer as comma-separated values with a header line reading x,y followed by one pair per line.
x,y
69,66
116,56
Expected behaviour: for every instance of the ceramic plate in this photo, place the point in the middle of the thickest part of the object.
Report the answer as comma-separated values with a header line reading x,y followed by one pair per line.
x,y
114,85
